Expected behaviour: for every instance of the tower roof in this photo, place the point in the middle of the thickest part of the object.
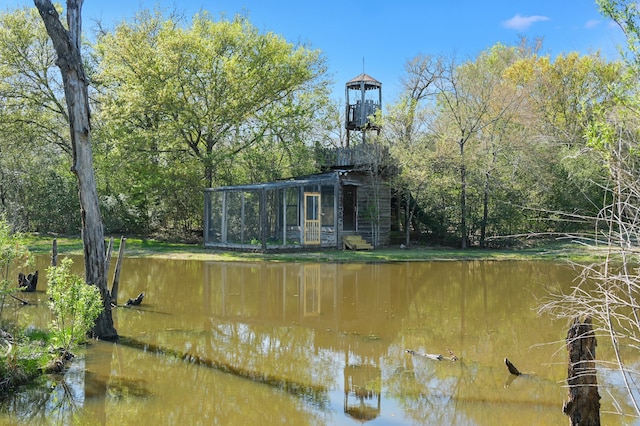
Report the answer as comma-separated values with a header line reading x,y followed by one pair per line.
x,y
366,78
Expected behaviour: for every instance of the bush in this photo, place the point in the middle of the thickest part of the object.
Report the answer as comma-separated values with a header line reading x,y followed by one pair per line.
x,y
75,305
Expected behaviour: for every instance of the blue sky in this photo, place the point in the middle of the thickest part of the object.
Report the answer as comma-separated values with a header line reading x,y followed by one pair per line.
x,y
385,34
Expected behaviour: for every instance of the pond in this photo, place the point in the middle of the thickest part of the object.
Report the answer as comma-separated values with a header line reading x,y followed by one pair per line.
x,y
317,344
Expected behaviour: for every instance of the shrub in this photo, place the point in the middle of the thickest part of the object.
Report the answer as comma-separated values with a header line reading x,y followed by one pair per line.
x,y
75,305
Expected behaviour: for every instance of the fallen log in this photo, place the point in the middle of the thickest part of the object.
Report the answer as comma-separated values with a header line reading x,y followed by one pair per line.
x,y
436,357
24,302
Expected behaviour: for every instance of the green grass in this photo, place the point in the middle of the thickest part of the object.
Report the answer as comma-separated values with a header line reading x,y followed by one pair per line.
x,y
548,250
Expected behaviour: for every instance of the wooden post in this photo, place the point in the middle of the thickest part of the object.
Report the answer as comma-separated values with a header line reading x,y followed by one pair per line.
x,y
583,406
54,253
107,257
116,273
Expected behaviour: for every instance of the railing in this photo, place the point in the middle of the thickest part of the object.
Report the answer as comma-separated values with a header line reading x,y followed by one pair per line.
x,y
359,155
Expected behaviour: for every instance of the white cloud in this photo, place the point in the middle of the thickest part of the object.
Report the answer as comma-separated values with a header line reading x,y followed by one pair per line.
x,y
591,23
523,22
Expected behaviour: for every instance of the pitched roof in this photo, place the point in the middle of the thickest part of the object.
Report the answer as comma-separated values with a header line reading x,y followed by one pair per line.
x,y
364,77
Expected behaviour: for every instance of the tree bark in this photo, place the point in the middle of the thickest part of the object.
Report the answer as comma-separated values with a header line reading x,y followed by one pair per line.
x,y
485,212
463,195
408,215
116,273
583,407
67,46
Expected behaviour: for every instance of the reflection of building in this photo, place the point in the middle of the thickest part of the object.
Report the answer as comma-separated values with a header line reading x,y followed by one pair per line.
x,y
334,303
319,296
311,290
362,391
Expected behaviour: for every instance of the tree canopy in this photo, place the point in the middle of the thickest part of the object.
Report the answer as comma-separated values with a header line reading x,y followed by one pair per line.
x,y
209,102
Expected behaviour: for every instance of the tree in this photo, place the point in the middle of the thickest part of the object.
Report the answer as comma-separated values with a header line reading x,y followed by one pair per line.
x,y
559,99
471,99
609,290
32,94
67,46
74,304
407,129
189,105
210,90
626,15
34,129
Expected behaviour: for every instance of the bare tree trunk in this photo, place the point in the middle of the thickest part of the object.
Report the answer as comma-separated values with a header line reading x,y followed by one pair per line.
x,y
408,215
116,272
67,46
485,212
583,407
463,196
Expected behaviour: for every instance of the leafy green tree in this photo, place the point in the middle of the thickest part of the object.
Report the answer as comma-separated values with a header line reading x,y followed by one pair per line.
x,y
210,97
626,15
519,159
408,129
609,289
36,189
560,98
30,86
474,102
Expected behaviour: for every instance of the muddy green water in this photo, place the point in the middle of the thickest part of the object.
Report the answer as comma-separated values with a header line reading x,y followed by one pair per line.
x,y
317,344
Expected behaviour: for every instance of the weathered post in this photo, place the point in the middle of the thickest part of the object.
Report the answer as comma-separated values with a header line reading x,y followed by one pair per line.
x,y
583,406
116,273
54,253
107,257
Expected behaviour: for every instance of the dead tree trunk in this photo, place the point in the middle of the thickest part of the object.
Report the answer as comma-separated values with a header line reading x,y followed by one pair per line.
x,y
28,283
116,272
583,407
54,253
67,46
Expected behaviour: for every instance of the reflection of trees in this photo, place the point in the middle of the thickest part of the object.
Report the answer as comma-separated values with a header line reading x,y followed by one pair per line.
x,y
54,402
329,328
286,352
483,312
471,307
427,389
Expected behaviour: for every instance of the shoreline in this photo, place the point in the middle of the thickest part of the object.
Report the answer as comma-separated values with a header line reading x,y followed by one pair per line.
x,y
551,250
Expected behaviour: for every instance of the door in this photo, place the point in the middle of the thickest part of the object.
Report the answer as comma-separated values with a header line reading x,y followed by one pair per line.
x,y
349,208
312,218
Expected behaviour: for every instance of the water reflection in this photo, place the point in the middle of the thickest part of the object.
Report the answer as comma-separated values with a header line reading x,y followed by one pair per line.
x,y
265,343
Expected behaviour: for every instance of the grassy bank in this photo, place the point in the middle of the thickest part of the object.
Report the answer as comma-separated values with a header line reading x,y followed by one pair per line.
x,y
545,250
